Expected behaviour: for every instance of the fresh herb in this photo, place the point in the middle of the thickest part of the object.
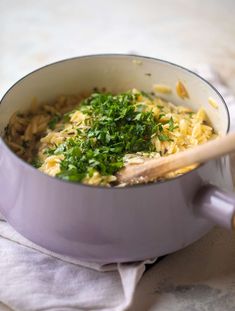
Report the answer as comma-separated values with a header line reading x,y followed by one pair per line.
x,y
116,126
36,163
171,125
190,113
146,95
66,116
163,137
52,123
161,115
49,151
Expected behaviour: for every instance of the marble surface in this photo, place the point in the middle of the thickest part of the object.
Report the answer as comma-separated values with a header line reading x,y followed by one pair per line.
x,y
200,277
188,32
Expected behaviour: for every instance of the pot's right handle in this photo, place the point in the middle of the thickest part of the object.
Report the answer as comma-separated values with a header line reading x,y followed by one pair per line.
x,y
216,205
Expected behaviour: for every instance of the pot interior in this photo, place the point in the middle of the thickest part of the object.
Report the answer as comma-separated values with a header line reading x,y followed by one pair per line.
x,y
117,73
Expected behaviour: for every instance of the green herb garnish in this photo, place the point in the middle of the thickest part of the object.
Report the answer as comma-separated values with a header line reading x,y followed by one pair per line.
x,y
147,95
190,113
52,123
117,126
163,137
36,163
171,125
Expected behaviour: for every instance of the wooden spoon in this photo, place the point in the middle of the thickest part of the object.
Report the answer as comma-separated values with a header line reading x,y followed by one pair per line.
x,y
155,168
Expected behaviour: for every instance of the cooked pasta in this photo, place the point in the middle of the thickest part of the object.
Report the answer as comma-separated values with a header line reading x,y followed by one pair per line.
x,y
89,140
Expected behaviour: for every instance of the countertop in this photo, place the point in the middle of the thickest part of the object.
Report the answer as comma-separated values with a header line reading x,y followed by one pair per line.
x,y
188,32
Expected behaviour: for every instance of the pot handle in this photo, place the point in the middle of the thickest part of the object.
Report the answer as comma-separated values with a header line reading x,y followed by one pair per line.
x,y
216,205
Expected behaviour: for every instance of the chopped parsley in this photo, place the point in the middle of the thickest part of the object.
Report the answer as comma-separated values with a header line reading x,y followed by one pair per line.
x,y
52,123
147,95
163,137
171,125
36,163
117,126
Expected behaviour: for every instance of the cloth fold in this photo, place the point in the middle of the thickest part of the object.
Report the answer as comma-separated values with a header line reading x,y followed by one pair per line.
x,y
33,278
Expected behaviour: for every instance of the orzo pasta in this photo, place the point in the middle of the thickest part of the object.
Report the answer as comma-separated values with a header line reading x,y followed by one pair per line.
x,y
89,140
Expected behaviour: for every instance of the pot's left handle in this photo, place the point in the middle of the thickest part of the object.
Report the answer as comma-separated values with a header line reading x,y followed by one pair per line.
x,y
216,205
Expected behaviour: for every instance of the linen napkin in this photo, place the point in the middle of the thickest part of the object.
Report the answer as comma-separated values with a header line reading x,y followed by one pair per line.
x,y
33,278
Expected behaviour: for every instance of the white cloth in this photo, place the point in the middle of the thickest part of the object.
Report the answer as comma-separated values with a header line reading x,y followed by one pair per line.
x,y
32,278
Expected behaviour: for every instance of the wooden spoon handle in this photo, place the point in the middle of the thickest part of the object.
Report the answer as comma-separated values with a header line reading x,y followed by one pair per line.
x,y
154,168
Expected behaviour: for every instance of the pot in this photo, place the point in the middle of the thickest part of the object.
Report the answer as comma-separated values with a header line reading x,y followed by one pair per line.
x,y
114,224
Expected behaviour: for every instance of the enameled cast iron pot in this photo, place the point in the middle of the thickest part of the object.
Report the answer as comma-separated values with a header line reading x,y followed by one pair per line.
x,y
113,224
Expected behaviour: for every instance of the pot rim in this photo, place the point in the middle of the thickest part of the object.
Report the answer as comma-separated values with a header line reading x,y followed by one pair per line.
x,y
76,184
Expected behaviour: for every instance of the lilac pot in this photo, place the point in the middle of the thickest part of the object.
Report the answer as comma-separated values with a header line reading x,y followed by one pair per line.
x,y
114,224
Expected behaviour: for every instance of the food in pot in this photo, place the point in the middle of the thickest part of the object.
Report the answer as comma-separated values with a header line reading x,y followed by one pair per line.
x,y
89,140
